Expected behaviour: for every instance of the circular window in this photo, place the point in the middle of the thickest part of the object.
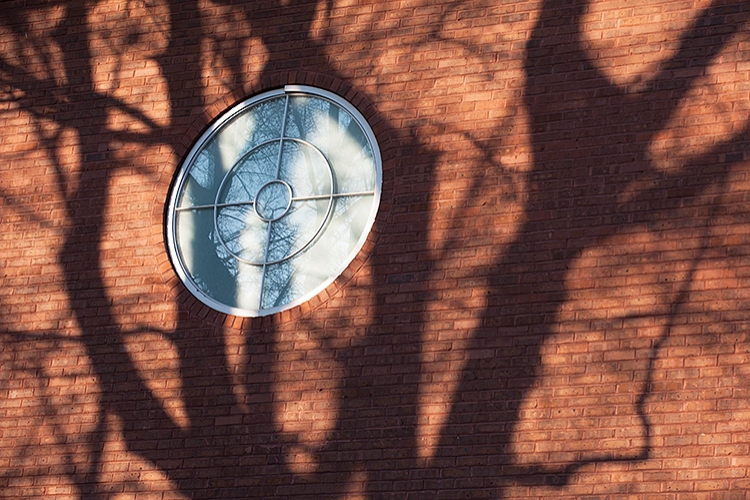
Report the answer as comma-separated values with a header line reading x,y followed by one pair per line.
x,y
274,201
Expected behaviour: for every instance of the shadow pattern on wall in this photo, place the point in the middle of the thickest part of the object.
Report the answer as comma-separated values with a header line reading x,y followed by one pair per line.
x,y
590,161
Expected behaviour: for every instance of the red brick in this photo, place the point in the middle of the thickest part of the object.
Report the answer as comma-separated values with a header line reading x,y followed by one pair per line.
x,y
511,329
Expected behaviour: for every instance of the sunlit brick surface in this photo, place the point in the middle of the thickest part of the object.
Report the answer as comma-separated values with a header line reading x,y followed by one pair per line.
x,y
554,301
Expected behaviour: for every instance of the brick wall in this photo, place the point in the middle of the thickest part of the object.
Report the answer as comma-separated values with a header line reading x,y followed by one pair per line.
x,y
554,301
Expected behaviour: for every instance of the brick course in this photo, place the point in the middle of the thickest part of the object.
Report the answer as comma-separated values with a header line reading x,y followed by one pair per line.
x,y
554,301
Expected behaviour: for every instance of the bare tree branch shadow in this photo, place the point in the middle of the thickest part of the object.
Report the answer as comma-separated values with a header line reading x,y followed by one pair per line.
x,y
490,390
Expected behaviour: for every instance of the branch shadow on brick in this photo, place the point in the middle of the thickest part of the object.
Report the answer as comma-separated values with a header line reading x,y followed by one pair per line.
x,y
226,452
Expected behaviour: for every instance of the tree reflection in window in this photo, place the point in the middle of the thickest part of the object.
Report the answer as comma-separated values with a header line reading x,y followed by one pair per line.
x,y
274,201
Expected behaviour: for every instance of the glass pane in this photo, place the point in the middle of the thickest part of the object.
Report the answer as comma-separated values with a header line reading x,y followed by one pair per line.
x,y
316,121
308,117
281,284
243,233
353,166
248,286
305,170
212,270
203,181
351,156
253,127
297,229
253,171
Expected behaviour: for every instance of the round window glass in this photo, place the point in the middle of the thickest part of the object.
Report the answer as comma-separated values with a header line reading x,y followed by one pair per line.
x,y
274,201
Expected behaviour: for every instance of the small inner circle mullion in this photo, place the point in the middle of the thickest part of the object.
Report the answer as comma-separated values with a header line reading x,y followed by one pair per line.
x,y
261,202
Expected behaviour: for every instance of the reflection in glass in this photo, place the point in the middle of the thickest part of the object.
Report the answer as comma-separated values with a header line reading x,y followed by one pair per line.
x,y
264,219
305,168
251,173
242,233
